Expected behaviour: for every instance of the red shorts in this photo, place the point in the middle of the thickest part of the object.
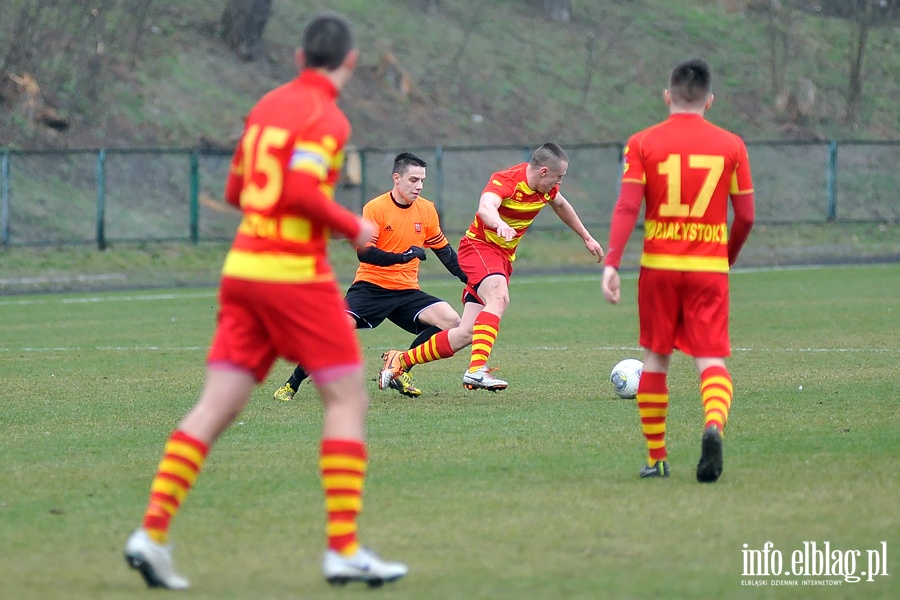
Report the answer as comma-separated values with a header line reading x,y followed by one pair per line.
x,y
478,260
685,311
305,324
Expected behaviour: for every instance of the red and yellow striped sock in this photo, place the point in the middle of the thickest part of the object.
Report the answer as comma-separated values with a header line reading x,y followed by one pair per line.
x,y
343,465
182,459
653,405
716,391
435,348
484,334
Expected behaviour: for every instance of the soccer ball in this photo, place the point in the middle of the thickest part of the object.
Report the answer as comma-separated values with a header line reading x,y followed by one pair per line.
x,y
625,377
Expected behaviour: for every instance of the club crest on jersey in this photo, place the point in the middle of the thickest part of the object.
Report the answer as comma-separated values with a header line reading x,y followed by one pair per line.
x,y
418,228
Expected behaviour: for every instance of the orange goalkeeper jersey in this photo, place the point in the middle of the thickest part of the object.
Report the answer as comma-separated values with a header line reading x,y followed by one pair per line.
x,y
398,228
689,167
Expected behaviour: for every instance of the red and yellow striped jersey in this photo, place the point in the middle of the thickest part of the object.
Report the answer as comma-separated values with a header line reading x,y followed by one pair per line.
x,y
519,205
688,167
282,177
398,228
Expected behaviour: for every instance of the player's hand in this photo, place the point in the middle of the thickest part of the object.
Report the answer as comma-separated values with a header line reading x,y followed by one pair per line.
x,y
505,231
365,236
414,252
611,285
594,248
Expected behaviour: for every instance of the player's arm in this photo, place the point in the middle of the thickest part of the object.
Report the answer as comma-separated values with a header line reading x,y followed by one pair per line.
x,y
742,203
305,175
374,255
744,215
488,212
624,218
235,180
447,255
303,195
567,215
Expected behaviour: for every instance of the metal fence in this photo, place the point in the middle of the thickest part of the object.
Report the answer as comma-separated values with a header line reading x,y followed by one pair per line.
x,y
112,196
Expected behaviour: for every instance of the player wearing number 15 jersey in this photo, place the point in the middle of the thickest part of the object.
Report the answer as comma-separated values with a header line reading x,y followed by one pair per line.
x,y
278,297
686,169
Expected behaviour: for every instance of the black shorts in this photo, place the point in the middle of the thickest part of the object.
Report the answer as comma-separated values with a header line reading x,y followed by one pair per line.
x,y
371,304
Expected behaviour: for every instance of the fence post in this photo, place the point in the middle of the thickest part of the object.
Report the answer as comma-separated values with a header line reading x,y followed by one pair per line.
x,y
832,180
101,199
4,194
194,199
363,178
439,181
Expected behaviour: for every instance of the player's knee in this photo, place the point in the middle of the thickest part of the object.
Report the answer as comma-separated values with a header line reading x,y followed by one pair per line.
x,y
498,304
448,321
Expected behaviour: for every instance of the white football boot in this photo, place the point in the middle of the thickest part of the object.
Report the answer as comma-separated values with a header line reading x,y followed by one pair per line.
x,y
154,561
364,566
483,380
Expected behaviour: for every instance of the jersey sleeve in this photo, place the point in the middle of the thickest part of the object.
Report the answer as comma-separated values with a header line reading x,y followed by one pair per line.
x,y
741,180
500,185
633,170
371,212
434,237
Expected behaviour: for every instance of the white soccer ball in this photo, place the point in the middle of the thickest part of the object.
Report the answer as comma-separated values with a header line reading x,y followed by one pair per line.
x,y
625,377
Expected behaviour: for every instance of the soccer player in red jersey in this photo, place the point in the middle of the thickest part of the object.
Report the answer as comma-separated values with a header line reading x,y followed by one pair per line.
x,y
509,204
686,169
278,297
386,285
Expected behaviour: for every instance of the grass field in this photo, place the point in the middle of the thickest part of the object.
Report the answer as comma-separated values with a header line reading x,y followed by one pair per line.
x,y
530,493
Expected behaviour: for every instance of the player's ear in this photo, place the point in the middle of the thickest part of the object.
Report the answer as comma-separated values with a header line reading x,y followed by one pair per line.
x,y
667,97
709,102
351,59
299,59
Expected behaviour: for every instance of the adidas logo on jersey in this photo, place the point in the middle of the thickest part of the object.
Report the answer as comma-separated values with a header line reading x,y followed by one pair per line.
x,y
388,228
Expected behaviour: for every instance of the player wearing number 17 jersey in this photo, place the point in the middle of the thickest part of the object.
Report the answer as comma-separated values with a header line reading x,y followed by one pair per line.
x,y
279,298
686,169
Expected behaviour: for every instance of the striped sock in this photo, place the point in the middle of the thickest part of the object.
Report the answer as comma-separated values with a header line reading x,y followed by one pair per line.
x,y
182,459
716,391
343,465
435,348
653,405
484,334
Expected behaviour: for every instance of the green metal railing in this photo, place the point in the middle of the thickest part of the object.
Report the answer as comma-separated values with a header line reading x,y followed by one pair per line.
x,y
102,196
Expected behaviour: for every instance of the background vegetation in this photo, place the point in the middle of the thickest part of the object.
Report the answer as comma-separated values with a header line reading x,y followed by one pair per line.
x,y
117,73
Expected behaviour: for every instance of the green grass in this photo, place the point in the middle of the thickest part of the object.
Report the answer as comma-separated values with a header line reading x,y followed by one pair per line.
x,y
154,265
531,493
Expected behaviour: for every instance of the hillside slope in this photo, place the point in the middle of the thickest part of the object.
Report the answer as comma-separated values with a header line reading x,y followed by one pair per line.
x,y
482,73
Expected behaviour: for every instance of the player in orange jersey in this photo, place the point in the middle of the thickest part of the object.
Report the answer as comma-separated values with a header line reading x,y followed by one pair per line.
x,y
387,281
686,169
509,204
278,297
